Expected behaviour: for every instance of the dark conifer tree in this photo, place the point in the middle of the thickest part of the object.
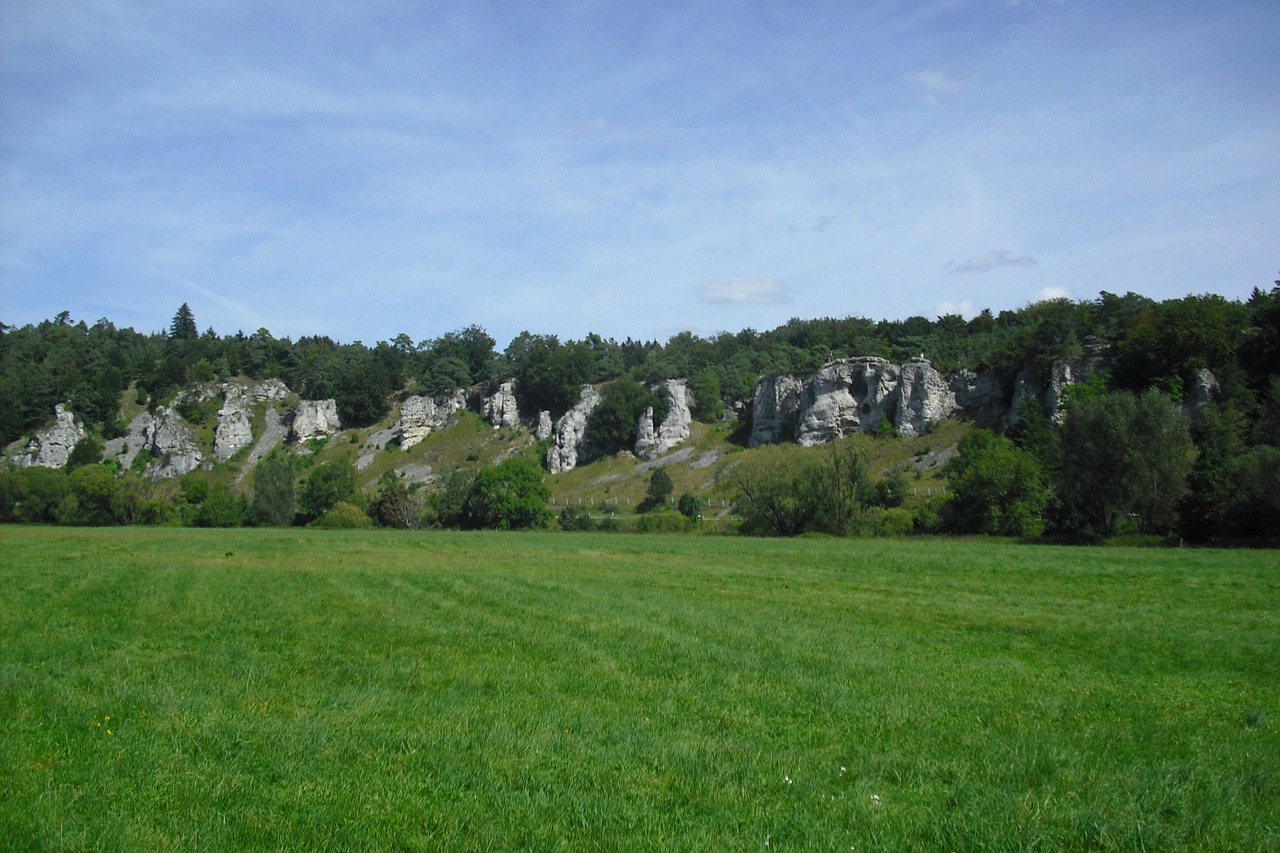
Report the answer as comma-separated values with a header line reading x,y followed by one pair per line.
x,y
183,327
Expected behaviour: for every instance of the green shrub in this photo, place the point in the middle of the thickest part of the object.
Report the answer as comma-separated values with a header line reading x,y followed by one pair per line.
x,y
576,518
325,486
88,451
664,521
197,411
219,507
895,522
927,515
689,506
344,516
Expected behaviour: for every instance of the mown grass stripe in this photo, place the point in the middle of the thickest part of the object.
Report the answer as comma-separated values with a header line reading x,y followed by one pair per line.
x,y
291,689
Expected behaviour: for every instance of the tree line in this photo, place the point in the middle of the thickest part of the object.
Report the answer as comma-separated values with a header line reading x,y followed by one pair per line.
x,y
1204,477
1152,344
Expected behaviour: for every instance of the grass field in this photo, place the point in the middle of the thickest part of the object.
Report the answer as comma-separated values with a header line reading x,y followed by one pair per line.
x,y
288,689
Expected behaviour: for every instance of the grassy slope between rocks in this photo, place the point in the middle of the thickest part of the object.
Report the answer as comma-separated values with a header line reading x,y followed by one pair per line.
x,y
698,465
267,689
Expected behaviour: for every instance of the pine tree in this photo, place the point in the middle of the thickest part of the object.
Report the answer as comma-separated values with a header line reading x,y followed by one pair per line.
x,y
183,327
660,486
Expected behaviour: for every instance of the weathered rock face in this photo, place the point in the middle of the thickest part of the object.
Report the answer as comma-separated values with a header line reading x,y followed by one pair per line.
x,y
774,410
545,427
499,408
847,396
1060,378
315,419
275,430
268,389
652,443
168,438
827,409
129,445
844,397
922,396
1046,393
979,393
420,415
568,446
1202,391
50,448
233,432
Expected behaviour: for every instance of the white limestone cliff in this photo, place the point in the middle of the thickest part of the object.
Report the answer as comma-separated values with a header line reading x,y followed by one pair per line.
x,y
420,416
847,396
568,446
51,447
233,431
774,409
172,444
922,397
651,441
499,408
314,419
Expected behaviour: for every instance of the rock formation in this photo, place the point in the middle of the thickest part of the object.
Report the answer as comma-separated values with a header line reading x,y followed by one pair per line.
x,y
773,411
847,396
568,447
652,443
544,428
233,432
172,443
978,393
268,389
1203,390
420,415
275,430
922,397
499,408
314,419
50,448
125,448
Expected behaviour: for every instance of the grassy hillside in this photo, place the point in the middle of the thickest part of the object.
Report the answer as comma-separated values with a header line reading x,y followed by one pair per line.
x,y
698,465
267,689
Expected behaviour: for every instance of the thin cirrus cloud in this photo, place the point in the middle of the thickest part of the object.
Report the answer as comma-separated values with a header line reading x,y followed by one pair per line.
x,y
992,260
935,85
744,291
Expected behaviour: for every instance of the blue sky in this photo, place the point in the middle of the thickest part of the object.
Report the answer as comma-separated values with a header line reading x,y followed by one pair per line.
x,y
631,169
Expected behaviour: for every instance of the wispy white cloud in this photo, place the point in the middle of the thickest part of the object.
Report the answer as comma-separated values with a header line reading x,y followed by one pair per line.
x,y
935,85
744,291
965,308
991,260
1047,294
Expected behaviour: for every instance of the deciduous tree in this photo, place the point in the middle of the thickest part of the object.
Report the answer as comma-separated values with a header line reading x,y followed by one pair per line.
x,y
273,502
996,487
508,496
1123,456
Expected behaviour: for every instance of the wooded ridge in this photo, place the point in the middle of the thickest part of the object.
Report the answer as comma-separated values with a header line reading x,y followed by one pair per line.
x,y
180,402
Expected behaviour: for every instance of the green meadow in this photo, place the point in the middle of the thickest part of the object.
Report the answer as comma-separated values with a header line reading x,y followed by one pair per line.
x,y
169,689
